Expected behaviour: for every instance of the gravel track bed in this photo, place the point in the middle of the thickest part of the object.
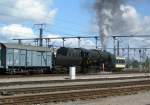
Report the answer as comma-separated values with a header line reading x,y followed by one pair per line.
x,y
141,98
70,87
71,95
58,91
19,83
70,83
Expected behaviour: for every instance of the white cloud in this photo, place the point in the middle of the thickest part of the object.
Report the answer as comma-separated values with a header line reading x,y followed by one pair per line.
x,y
7,33
16,12
14,31
129,11
71,42
137,25
37,11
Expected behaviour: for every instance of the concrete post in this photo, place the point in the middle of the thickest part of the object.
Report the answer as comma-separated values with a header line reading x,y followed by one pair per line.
x,y
72,73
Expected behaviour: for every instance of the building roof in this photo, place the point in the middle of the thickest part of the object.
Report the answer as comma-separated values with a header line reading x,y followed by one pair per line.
x,y
25,47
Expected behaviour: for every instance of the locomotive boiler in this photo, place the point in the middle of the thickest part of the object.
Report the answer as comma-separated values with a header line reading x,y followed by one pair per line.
x,y
85,59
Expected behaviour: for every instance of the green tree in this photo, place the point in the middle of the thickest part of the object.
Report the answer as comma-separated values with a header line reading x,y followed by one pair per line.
x,y
133,63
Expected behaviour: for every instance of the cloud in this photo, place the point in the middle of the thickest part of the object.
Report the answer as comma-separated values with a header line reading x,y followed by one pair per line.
x,y
37,11
136,25
15,12
14,31
71,42
7,33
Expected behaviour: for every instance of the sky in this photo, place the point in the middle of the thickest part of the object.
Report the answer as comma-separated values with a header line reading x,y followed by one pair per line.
x,y
72,18
141,6
65,18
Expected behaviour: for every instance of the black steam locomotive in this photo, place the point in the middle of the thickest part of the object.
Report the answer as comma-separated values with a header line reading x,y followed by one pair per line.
x,y
87,60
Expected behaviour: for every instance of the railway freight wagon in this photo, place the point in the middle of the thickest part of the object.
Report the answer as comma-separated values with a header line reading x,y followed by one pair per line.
x,y
24,58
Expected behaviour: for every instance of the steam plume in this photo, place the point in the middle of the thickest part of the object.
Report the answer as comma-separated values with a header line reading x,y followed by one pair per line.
x,y
107,11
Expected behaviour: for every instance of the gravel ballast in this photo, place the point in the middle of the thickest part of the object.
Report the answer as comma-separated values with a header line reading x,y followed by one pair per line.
x,y
142,98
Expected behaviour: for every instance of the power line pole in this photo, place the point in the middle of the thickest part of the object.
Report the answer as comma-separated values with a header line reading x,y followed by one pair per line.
x,y
79,40
63,42
96,38
41,28
118,45
114,42
128,54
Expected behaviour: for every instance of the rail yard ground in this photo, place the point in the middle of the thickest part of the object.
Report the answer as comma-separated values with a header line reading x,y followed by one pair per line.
x,y
49,89
141,98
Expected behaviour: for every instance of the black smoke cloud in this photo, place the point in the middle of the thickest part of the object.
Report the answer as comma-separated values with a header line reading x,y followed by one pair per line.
x,y
108,17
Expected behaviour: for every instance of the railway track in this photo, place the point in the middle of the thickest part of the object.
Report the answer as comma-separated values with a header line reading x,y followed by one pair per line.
x,y
83,94
66,81
73,92
45,75
15,91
